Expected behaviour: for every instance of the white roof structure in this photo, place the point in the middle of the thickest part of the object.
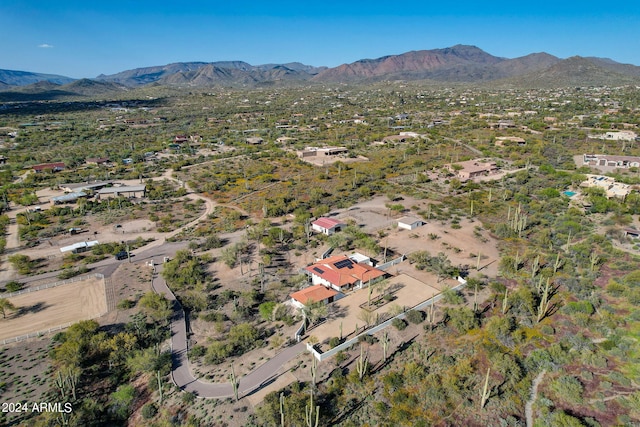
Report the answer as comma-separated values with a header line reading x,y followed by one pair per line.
x,y
123,189
79,245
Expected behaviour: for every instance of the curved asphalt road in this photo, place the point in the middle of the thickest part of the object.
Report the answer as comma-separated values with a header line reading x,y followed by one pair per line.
x,y
182,375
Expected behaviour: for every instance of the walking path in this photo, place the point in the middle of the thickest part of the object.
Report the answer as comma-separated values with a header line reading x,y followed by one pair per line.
x,y
528,408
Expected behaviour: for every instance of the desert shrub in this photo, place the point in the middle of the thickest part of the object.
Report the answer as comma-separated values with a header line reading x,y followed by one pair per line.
x,y
197,351
616,289
13,286
414,316
399,324
568,388
334,342
584,307
149,411
341,356
451,296
214,316
126,304
369,339
72,272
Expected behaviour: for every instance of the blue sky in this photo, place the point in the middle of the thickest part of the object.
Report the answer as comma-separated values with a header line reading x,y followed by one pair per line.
x,y
87,38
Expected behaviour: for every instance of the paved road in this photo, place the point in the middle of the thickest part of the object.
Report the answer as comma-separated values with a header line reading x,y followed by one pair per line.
x,y
184,378
181,374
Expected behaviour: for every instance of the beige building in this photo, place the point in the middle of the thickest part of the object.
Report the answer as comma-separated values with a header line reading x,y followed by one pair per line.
x,y
611,187
623,162
471,169
322,152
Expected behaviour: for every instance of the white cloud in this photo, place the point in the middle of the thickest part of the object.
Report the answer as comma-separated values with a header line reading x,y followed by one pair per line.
x,y
45,46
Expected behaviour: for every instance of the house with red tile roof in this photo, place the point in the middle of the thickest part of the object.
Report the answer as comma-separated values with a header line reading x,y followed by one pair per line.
x,y
327,226
313,294
342,273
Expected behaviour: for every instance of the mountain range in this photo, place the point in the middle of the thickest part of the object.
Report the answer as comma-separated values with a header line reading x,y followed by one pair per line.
x,y
457,64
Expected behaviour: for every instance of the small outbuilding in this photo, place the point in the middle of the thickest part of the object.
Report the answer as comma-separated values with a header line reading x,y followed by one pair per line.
x,y
632,233
79,247
313,294
327,226
68,198
129,191
410,223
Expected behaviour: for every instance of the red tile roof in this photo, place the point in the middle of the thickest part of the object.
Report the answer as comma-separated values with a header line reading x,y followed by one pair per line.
x,y
314,293
340,271
327,222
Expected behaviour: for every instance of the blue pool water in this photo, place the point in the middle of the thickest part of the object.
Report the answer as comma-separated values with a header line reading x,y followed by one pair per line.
x,y
569,193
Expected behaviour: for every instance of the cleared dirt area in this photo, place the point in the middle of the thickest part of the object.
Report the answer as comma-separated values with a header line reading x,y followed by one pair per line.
x,y
49,308
348,310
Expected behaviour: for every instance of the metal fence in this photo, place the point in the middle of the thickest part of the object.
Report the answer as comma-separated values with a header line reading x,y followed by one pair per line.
x,y
45,331
54,284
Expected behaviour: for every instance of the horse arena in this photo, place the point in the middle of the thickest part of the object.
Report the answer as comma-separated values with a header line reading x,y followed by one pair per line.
x,y
52,308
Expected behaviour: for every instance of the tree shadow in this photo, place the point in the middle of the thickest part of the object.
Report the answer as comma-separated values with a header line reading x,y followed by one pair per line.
x,y
35,308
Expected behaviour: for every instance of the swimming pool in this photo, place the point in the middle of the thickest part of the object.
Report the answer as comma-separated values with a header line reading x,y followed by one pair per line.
x,y
569,193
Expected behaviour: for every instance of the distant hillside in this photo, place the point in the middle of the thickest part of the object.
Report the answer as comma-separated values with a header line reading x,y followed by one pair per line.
x,y
439,64
23,78
146,75
213,73
469,64
457,64
45,90
88,87
577,71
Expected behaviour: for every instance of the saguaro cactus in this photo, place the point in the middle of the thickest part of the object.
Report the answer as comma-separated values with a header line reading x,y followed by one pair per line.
x,y
234,383
505,301
385,345
312,412
486,392
362,364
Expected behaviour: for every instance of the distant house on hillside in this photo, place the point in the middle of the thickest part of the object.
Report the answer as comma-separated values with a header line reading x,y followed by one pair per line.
x,y
470,169
623,162
53,167
254,140
132,191
97,160
502,140
321,152
180,139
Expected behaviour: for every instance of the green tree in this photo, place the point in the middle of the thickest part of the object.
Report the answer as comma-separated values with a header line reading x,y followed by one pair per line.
x,y
6,305
156,306
266,310
21,262
121,401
